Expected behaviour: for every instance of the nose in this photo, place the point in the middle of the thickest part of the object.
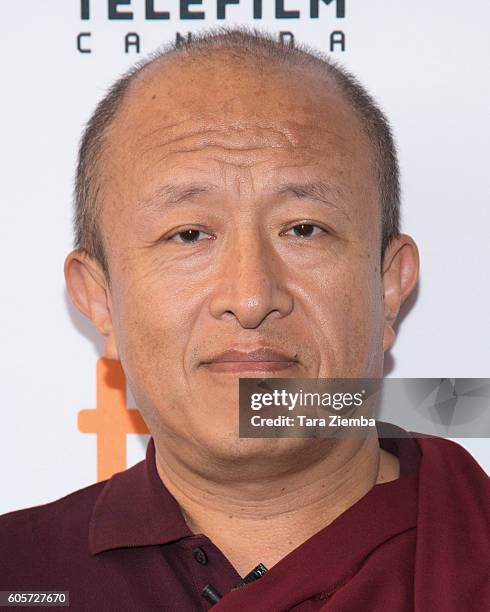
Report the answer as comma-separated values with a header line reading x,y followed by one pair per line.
x,y
250,283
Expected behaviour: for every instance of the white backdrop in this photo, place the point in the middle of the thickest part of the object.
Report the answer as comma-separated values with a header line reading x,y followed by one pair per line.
x,y
425,62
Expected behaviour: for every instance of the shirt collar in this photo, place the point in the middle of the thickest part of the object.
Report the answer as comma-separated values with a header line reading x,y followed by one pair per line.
x,y
135,508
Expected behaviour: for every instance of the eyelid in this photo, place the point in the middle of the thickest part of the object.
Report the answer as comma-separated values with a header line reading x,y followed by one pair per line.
x,y
317,225
176,232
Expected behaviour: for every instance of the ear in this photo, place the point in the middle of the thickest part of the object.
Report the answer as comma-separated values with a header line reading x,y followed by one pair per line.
x,y
400,275
90,293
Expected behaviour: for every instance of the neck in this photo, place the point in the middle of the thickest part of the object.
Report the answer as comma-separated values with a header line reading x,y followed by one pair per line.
x,y
262,518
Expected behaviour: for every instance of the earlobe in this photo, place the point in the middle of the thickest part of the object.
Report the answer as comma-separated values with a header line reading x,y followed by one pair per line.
x,y
110,348
89,293
400,275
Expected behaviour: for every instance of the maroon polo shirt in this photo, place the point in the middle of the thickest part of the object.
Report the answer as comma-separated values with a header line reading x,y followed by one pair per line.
x,y
122,544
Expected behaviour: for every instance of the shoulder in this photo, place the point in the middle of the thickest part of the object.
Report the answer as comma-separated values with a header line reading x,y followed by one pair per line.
x,y
41,536
448,467
447,450
74,506
453,515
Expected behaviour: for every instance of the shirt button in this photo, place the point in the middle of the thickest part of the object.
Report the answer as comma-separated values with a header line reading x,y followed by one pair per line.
x,y
200,556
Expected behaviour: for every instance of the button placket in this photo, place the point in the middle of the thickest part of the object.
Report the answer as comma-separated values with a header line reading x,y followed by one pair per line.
x,y
212,573
200,555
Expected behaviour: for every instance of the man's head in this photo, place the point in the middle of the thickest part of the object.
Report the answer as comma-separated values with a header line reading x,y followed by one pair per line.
x,y
248,45
237,194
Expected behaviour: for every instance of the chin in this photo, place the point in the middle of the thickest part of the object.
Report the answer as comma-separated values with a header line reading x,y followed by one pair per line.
x,y
230,448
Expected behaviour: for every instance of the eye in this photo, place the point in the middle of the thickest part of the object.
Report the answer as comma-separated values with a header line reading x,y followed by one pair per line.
x,y
187,236
306,230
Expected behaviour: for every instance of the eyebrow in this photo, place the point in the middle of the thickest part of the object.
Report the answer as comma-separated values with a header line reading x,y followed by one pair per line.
x,y
171,195
317,190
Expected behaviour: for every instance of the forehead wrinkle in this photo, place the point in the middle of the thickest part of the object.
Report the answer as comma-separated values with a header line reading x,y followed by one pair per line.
x,y
244,157
248,164
222,138
311,150
156,130
232,137
244,181
231,134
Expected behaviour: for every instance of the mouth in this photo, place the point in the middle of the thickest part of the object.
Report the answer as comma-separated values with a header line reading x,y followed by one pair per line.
x,y
259,360
249,366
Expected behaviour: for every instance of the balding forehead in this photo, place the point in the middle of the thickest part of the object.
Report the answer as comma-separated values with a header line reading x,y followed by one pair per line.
x,y
177,99
181,82
153,141
167,121
227,59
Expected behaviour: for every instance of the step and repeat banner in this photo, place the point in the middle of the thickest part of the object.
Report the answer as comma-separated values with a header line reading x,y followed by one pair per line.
x,y
63,425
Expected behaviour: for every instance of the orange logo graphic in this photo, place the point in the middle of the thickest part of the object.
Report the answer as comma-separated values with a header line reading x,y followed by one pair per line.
x,y
111,420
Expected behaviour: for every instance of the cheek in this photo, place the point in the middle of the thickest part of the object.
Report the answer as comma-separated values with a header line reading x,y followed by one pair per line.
x,y
350,311
152,328
366,318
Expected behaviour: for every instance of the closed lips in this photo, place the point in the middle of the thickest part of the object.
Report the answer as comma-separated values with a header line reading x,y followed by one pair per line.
x,y
259,359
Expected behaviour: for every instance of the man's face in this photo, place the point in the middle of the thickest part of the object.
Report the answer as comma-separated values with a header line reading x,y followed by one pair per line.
x,y
241,210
